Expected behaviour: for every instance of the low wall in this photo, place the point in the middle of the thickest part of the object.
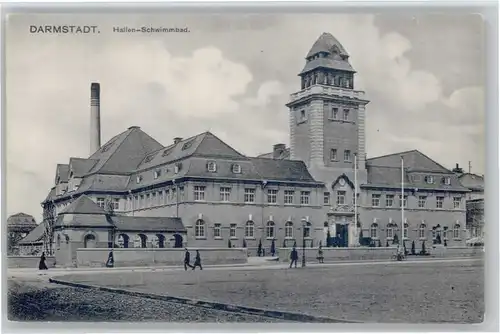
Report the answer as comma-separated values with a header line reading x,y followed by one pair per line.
x,y
29,261
339,254
150,257
375,253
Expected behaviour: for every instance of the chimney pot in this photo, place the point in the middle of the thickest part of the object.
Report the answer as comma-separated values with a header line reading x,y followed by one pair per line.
x,y
457,166
177,140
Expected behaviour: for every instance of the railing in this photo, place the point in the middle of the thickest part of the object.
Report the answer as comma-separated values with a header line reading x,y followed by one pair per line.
x,y
329,90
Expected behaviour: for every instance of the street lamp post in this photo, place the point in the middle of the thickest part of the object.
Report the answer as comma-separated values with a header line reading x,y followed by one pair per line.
x,y
303,242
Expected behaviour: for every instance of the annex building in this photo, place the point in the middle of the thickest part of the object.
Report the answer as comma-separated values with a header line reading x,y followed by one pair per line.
x,y
199,191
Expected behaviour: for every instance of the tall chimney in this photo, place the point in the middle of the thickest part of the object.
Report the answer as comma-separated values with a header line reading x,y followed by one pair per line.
x,y
95,117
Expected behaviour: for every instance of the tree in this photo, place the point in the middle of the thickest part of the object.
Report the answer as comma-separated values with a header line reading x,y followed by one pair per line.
x,y
395,240
413,248
328,238
273,248
423,248
259,248
244,243
229,244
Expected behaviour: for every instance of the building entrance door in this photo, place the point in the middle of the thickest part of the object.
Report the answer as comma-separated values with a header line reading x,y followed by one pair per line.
x,y
342,237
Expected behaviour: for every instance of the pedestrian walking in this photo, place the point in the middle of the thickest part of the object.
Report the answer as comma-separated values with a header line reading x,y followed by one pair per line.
x,y
42,265
187,260
294,256
197,261
320,255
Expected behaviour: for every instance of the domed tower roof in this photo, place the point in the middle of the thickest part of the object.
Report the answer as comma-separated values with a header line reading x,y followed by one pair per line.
x,y
21,222
327,52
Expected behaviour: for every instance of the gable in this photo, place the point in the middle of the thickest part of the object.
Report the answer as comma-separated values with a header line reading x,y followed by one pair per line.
x,y
83,205
343,178
212,146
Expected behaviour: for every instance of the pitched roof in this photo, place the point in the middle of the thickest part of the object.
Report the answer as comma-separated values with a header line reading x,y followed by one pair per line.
x,y
124,152
334,56
148,224
80,166
84,220
324,43
282,170
472,181
83,205
36,235
204,144
414,160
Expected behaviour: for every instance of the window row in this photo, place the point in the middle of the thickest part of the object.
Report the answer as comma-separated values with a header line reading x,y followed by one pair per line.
x,y
114,203
200,230
422,231
334,114
334,155
156,198
422,201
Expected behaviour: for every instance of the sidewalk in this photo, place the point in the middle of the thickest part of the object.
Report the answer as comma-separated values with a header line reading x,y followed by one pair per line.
x,y
254,264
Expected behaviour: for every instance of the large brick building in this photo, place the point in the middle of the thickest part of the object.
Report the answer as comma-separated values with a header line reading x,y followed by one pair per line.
x,y
307,189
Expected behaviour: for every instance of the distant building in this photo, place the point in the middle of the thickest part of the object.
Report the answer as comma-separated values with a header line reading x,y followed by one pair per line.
x,y
18,227
305,191
474,203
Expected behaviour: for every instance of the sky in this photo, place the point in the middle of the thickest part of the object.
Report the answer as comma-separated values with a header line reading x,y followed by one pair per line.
x,y
233,75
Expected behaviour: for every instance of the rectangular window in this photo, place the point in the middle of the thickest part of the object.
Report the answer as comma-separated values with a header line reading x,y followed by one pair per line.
x,y
167,196
346,114
456,202
143,202
403,202
148,200
249,195
157,173
225,193
389,200
340,197
217,233
439,202
304,197
232,231
302,115
375,200
421,201
154,199
116,204
272,196
347,156
289,194
100,202
326,198
333,154
135,203
334,113
181,193
199,193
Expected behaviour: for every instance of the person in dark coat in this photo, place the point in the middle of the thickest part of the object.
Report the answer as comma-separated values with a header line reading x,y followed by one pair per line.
x,y
111,261
294,256
187,260
197,261
320,255
42,265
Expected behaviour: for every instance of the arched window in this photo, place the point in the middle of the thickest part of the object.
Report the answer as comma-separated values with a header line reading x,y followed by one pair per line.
x,y
307,230
270,230
421,231
390,231
89,241
373,230
456,231
123,241
199,229
289,230
249,229
405,231
160,241
140,241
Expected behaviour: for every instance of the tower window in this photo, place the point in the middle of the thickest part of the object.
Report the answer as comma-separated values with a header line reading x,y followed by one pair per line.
x,y
333,154
347,156
302,115
346,114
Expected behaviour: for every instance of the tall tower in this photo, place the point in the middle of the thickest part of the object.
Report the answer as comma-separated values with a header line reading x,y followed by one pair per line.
x,y
95,117
327,116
